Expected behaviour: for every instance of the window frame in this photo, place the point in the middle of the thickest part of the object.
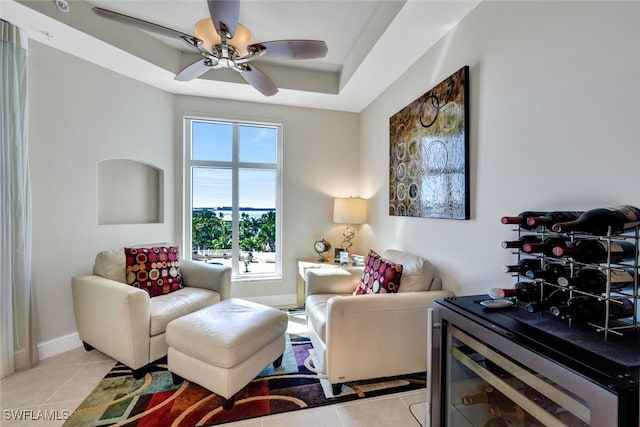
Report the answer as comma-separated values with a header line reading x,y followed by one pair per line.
x,y
235,165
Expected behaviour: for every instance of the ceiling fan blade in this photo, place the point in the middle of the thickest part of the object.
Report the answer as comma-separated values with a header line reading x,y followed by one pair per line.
x,y
226,11
194,70
144,25
259,80
292,49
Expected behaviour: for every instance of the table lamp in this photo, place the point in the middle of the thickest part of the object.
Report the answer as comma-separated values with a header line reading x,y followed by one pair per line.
x,y
350,211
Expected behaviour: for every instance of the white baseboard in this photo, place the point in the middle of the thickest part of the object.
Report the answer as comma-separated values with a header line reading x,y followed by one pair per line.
x,y
59,345
284,300
68,342
48,349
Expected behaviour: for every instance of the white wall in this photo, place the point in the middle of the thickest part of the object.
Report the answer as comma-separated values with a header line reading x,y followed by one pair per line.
x,y
320,162
81,114
554,125
555,121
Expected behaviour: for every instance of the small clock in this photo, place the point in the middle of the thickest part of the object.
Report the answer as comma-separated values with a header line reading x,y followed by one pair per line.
x,y
321,247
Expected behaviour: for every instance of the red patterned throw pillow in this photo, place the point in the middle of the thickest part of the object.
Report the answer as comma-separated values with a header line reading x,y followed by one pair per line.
x,y
156,270
379,276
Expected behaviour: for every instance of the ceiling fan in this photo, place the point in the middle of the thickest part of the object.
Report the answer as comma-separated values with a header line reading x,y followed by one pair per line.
x,y
224,43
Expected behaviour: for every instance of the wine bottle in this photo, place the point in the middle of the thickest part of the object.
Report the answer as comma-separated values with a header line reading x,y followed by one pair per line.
x,y
528,238
521,219
565,278
596,251
551,407
551,273
499,404
480,397
552,218
496,369
524,291
514,411
487,395
594,280
523,265
496,422
541,400
511,417
546,246
589,309
555,298
598,221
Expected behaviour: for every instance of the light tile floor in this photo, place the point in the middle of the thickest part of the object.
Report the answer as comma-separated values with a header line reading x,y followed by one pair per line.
x,y
59,384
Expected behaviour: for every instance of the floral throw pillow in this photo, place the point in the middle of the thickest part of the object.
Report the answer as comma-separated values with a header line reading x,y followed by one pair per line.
x,y
156,270
379,276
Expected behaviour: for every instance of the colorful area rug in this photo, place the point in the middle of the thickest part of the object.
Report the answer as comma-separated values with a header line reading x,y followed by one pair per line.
x,y
154,400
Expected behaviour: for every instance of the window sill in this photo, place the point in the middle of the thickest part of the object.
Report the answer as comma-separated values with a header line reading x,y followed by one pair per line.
x,y
256,278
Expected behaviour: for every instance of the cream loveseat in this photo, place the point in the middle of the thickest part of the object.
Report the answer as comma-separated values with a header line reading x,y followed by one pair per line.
x,y
358,337
127,324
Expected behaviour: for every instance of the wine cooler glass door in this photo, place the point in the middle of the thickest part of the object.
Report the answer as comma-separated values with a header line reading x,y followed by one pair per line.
x,y
486,388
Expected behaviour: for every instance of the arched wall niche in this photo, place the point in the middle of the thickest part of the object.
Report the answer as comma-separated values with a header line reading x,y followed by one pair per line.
x,y
129,192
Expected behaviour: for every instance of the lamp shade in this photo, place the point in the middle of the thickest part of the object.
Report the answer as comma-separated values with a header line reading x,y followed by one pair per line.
x,y
205,31
352,210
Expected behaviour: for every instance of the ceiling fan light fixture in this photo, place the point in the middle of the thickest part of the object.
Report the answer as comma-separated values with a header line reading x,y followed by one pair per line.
x,y
241,39
219,50
205,31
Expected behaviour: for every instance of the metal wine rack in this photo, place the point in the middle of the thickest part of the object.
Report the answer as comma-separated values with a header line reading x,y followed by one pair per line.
x,y
610,296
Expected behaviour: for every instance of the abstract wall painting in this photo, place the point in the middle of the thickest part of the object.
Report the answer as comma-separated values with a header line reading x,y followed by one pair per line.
x,y
429,153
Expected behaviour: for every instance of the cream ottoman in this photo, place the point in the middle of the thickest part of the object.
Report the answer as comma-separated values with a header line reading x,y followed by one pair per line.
x,y
224,346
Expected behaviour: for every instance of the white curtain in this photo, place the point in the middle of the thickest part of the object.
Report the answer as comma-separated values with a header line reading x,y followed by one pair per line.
x,y
17,344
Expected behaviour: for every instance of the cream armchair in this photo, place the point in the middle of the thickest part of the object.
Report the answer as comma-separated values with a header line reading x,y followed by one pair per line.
x,y
370,336
124,322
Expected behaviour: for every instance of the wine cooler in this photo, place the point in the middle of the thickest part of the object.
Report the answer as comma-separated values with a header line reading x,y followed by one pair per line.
x,y
508,367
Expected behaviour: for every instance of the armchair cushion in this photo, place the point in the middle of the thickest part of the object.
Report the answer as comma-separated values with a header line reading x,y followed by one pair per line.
x,y
156,269
165,308
418,274
380,276
110,263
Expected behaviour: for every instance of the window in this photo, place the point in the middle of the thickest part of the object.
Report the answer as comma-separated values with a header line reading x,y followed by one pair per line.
x,y
233,180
